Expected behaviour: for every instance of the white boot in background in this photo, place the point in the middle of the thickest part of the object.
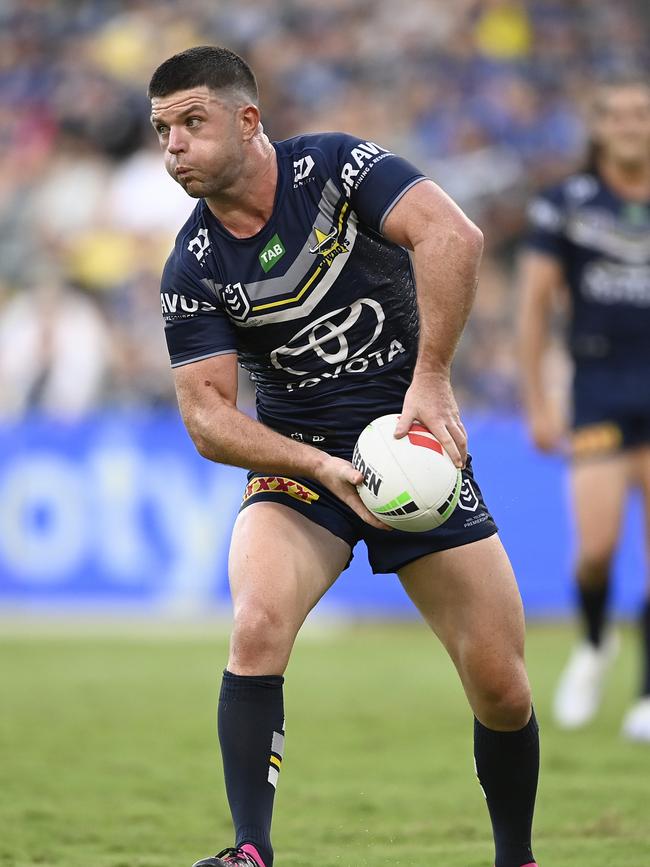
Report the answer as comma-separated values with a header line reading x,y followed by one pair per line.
x,y
636,723
579,691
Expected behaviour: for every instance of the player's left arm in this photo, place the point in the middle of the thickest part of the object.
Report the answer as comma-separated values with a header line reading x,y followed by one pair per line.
x,y
446,250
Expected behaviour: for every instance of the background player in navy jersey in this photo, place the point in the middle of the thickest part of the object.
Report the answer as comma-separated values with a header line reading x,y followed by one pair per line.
x,y
296,261
591,234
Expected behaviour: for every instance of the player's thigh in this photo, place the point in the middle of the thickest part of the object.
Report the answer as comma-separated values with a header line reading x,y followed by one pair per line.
x,y
469,597
280,564
598,491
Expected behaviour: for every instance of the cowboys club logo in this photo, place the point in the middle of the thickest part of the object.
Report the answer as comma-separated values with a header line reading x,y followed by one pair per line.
x,y
328,337
235,300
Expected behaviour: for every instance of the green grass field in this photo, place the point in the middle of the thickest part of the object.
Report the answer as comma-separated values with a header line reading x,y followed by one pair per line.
x,y
108,756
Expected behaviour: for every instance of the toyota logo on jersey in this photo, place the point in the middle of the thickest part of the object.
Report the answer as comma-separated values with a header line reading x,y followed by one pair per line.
x,y
334,338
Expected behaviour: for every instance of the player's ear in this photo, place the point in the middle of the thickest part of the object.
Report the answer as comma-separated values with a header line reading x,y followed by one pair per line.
x,y
249,119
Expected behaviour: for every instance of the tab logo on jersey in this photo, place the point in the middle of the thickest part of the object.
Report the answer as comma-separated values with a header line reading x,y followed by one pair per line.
x,y
199,244
271,254
637,214
302,169
236,301
363,158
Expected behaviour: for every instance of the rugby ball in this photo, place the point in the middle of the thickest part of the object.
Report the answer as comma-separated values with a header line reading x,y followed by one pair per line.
x,y
410,483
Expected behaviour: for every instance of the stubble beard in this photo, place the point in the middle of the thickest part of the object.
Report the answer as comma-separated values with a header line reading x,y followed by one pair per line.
x,y
200,188
633,164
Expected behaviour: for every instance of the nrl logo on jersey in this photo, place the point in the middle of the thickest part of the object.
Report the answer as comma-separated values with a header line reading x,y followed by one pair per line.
x,y
236,301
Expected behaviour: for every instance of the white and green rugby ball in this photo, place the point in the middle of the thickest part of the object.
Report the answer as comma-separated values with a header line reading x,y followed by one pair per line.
x,y
410,483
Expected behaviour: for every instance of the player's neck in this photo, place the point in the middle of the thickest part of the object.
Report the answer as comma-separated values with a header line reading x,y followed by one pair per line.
x,y
246,208
628,180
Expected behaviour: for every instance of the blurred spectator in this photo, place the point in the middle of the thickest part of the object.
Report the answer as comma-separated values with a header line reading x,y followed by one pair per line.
x,y
53,352
484,95
143,199
503,30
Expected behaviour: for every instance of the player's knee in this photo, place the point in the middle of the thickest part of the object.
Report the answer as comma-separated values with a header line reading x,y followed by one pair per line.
x,y
500,696
260,640
594,566
507,709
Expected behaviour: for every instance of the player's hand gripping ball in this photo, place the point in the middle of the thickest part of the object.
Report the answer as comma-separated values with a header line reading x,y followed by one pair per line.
x,y
410,483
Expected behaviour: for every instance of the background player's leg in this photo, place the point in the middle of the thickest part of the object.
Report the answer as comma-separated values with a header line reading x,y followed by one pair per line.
x,y
469,597
280,565
599,487
636,724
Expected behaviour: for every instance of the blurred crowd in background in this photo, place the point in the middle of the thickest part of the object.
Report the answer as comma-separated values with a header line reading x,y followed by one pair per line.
x,y
486,96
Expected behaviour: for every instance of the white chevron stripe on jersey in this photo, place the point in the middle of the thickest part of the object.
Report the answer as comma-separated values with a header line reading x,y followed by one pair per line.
x,y
295,307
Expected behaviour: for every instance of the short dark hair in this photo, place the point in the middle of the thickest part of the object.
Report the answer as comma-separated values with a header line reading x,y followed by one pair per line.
x,y
204,65
619,80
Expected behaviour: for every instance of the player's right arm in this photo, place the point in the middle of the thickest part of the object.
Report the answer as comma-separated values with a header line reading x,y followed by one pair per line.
x,y
540,276
207,397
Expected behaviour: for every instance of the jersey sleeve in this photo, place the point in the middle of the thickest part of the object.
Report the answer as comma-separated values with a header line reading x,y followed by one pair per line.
x,y
546,224
373,178
196,325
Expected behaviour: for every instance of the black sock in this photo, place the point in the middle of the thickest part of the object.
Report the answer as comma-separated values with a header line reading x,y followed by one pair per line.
x,y
251,734
593,606
645,648
507,766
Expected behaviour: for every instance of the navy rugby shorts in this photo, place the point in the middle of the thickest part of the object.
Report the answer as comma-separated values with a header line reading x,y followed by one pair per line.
x,y
387,551
611,411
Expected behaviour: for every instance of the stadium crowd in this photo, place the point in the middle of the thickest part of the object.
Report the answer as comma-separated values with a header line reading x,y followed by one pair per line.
x,y
485,95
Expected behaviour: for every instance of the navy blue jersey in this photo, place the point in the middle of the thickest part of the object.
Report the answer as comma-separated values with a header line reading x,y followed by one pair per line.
x,y
603,244
319,306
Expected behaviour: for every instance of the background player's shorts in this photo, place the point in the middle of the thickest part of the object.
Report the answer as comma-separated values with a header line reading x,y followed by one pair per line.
x,y
387,551
611,411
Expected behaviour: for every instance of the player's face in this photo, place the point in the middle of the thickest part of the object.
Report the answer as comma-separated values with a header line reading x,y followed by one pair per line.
x,y
622,123
201,138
